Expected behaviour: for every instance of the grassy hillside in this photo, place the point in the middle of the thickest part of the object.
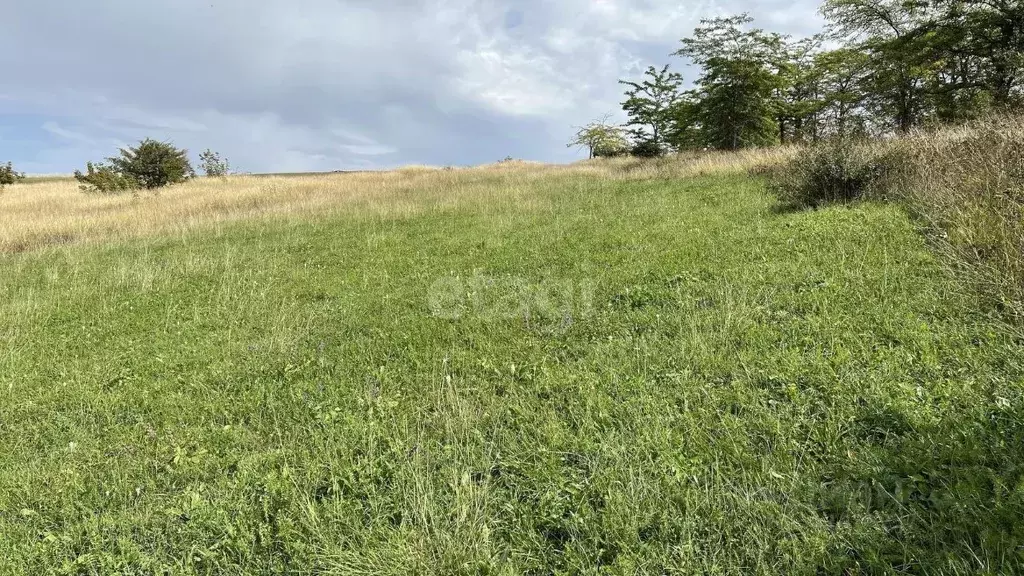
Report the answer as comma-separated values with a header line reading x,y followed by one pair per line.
x,y
519,369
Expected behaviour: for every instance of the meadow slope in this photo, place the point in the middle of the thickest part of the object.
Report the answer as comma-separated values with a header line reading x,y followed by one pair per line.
x,y
615,369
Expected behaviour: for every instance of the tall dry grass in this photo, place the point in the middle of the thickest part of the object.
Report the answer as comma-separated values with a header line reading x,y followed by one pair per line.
x,y
965,183
48,212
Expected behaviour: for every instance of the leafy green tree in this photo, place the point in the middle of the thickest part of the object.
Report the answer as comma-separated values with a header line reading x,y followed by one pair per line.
x,y
738,87
799,90
842,76
900,64
213,165
150,164
998,29
686,130
975,49
153,164
935,60
885,30
650,105
600,139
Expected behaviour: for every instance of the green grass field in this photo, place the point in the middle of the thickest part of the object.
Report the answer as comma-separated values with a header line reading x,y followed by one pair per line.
x,y
615,377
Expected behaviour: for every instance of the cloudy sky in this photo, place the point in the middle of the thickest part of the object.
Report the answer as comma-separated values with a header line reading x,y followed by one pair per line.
x,y
297,85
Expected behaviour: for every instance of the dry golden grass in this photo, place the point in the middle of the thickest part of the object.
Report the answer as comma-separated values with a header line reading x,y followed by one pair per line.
x,y
967,183
47,212
688,164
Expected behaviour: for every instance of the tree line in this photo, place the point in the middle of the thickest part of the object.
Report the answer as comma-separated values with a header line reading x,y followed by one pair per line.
x,y
881,67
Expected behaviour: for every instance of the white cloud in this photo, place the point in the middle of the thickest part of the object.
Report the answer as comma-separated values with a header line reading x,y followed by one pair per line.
x,y
514,83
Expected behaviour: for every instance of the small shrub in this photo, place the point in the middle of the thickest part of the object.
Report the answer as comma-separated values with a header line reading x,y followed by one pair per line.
x,y
213,165
647,149
836,171
611,152
612,145
8,175
104,179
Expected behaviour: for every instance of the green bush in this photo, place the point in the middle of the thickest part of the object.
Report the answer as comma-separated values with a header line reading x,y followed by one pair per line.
x,y
153,164
8,175
647,149
835,171
104,179
150,164
610,151
213,165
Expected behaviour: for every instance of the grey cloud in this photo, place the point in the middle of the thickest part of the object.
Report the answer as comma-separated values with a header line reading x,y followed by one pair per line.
x,y
326,84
